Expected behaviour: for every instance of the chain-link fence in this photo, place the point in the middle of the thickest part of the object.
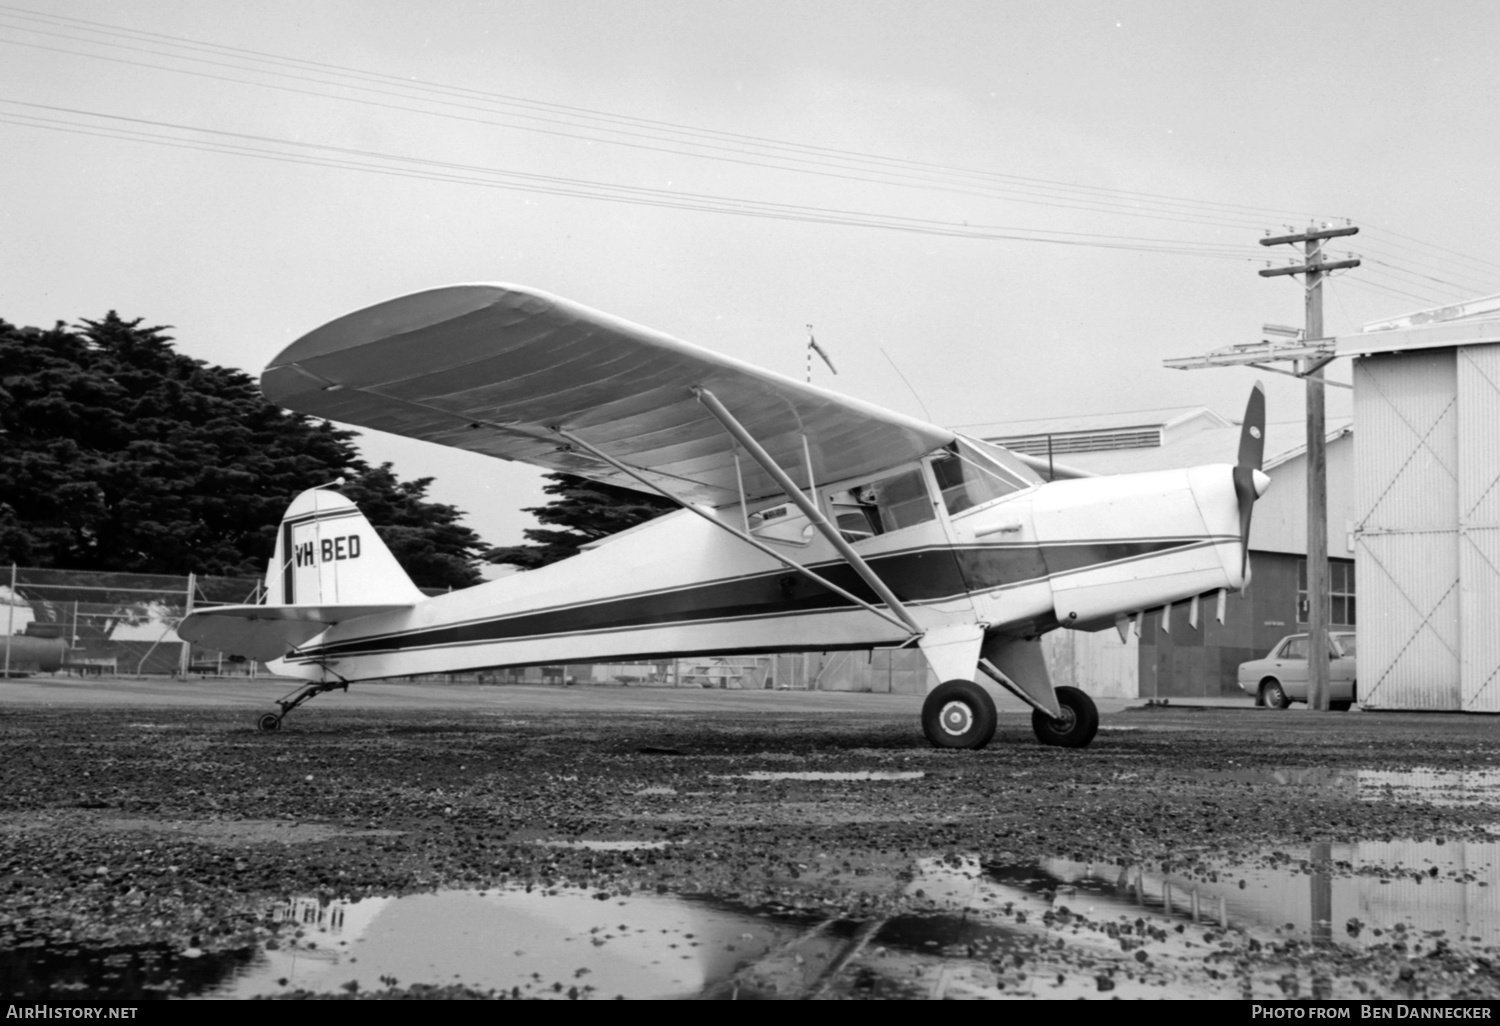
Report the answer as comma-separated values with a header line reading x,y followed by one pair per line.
x,y
116,624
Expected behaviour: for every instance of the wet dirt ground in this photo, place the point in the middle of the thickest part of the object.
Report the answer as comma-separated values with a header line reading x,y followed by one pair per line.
x,y
589,844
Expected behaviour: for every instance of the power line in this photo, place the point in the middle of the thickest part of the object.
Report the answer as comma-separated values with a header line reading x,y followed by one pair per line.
x,y
317,154
676,139
927,174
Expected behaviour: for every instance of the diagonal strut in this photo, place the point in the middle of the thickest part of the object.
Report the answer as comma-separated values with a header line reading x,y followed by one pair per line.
x,y
809,509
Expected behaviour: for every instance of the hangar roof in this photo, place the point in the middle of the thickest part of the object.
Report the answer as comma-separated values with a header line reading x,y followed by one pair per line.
x,y
1472,322
1144,440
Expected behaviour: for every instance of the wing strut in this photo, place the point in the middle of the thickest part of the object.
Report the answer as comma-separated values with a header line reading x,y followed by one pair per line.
x,y
814,515
743,536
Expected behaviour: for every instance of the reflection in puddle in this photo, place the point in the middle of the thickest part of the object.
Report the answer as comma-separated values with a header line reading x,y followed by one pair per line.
x,y
572,944
828,775
81,973
1365,894
1055,928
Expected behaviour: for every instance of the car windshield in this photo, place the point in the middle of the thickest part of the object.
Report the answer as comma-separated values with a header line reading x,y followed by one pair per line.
x,y
1345,642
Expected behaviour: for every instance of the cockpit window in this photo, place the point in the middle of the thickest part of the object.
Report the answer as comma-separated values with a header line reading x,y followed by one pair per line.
x,y
879,507
973,476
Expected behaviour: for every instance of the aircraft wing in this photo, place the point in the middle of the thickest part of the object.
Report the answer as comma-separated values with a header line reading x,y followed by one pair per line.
x,y
496,369
268,632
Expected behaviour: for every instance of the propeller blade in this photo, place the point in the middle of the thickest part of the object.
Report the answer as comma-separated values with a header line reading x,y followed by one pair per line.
x,y
1253,430
1252,452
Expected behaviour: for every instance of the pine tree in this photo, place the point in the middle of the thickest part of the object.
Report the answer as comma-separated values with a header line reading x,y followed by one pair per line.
x,y
119,453
585,511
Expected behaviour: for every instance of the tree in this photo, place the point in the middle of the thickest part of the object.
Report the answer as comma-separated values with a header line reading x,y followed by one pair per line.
x,y
118,453
586,511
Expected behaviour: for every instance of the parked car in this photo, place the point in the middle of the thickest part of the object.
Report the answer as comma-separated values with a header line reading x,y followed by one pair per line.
x,y
1280,678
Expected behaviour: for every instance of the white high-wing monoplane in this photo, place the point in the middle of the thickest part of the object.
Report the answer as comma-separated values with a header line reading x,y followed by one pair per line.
x,y
810,521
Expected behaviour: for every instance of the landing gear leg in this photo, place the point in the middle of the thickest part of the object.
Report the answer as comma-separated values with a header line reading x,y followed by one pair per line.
x,y
290,701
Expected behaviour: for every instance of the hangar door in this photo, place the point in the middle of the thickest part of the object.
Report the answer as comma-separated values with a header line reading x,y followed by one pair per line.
x,y
1427,493
1479,526
1406,540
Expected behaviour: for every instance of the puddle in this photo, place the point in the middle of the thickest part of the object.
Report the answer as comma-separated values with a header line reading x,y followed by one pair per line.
x,y
607,845
828,775
1364,894
1055,929
568,943
1425,785
126,973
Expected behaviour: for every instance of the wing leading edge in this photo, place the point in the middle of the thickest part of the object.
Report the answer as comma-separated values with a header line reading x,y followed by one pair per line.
x,y
496,369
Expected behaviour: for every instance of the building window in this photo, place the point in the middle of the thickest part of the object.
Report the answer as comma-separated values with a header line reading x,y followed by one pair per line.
x,y
1340,592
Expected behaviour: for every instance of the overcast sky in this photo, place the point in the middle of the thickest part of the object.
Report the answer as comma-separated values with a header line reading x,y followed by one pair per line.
x,y
1149,143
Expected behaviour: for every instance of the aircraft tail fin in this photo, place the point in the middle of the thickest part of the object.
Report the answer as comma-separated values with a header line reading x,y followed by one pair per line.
x,y
327,554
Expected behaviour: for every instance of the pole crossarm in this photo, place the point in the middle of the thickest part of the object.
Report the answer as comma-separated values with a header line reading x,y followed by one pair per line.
x,y
1309,236
809,509
785,560
1332,265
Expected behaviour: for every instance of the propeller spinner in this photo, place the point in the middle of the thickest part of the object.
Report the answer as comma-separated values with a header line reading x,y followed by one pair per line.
x,y
1250,482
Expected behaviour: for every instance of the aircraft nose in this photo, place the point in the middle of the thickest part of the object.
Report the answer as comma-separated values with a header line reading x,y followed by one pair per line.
x,y
1261,480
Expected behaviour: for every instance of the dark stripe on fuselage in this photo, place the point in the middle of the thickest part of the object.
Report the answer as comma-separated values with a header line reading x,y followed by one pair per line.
x,y
916,576
322,514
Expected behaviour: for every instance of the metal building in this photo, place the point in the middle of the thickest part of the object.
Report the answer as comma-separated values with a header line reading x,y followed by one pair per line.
x,y
1427,497
1166,656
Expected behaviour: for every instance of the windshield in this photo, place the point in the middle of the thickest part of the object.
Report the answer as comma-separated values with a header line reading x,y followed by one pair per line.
x,y
978,473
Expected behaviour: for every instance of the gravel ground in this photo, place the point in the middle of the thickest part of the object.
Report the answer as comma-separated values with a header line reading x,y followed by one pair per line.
x,y
171,828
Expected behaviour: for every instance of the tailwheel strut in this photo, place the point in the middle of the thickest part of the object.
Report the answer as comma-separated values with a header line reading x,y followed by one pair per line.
x,y
290,701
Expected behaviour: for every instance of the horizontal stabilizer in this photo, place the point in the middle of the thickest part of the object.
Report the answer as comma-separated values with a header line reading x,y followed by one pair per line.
x,y
268,632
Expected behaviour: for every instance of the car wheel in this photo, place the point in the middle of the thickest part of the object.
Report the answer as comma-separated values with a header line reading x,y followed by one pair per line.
x,y
1272,696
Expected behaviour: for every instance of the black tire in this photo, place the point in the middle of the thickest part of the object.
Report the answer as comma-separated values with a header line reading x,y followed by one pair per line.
x,y
1079,723
1353,697
268,722
959,714
1273,695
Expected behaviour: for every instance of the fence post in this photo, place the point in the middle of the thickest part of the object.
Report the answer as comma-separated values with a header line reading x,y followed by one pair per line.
x,y
10,619
185,657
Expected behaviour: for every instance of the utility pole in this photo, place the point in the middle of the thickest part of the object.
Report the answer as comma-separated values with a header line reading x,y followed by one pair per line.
x,y
1318,606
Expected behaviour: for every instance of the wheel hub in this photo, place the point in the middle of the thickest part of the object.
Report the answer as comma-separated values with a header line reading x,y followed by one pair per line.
x,y
956,718
1064,723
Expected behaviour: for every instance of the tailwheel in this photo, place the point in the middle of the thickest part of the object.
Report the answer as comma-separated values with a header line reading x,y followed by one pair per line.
x,y
1077,725
959,714
272,721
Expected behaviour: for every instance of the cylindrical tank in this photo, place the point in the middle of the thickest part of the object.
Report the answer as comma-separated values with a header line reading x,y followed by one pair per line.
x,y
42,655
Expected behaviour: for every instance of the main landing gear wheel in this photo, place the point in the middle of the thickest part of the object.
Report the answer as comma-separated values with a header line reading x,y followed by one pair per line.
x,y
270,721
1077,725
959,714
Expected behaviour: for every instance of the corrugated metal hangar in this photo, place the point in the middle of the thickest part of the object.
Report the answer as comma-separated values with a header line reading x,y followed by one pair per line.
x,y
1427,497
